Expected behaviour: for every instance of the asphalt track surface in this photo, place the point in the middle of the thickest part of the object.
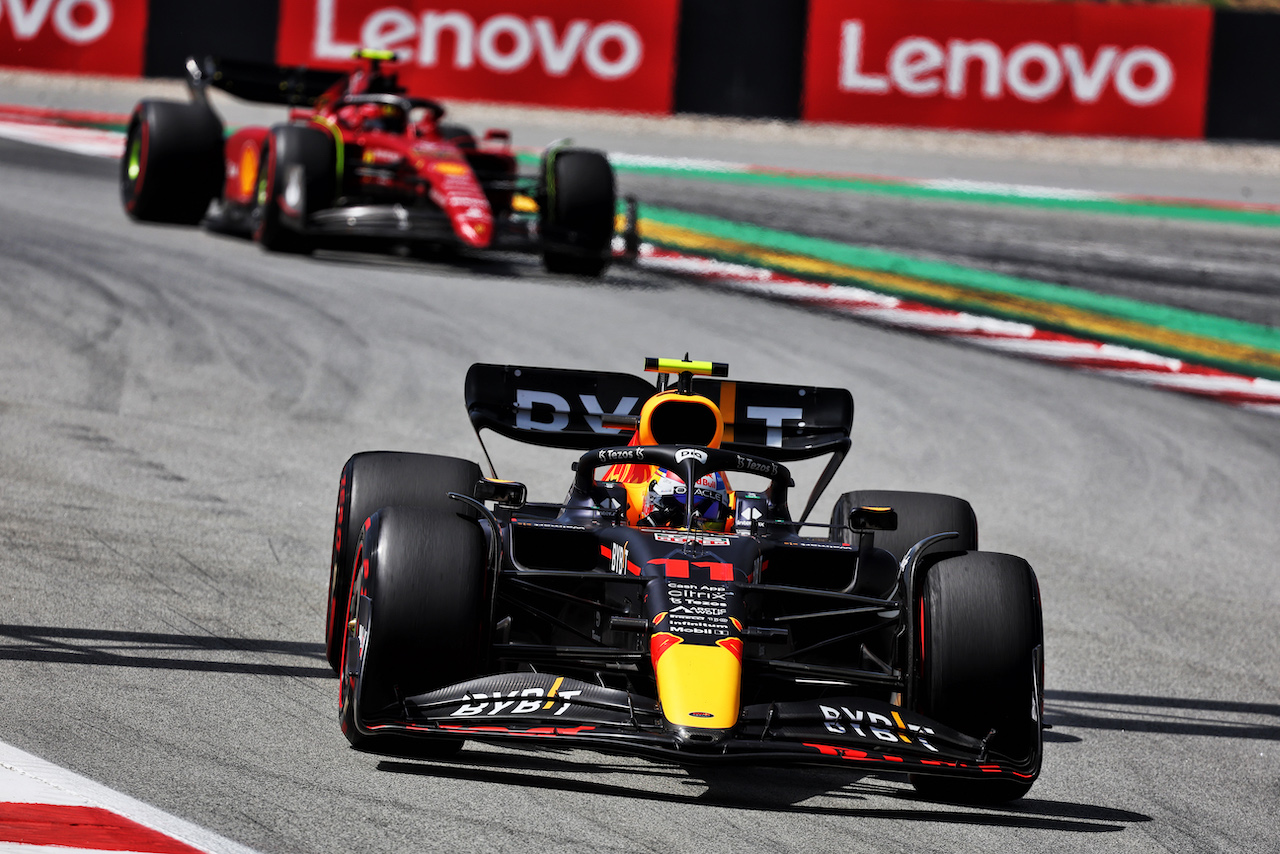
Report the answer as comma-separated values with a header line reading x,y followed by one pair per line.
x,y
175,408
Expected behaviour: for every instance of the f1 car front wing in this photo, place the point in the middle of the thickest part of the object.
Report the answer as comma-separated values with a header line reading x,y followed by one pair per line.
x,y
851,731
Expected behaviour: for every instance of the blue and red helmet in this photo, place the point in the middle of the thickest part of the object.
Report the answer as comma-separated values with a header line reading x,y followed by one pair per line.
x,y
668,496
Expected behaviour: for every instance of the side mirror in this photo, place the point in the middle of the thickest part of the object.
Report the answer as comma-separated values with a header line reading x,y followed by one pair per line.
x,y
865,519
507,493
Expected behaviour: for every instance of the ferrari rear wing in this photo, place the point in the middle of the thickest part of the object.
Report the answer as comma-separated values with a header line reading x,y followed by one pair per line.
x,y
576,409
293,86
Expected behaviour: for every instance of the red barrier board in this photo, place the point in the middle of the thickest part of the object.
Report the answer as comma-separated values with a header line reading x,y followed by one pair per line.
x,y
571,53
1074,68
84,36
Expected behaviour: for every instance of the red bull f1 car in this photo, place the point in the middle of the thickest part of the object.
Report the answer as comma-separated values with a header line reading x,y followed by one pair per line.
x,y
359,162
670,608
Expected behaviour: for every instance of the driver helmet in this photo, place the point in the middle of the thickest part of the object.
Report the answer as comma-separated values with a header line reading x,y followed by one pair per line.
x,y
664,505
389,118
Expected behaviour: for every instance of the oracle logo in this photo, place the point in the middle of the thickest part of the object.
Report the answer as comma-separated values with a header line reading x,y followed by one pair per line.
x,y
503,43
1033,71
75,21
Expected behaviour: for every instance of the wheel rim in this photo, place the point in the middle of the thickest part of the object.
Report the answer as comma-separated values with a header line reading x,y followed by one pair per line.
x,y
134,167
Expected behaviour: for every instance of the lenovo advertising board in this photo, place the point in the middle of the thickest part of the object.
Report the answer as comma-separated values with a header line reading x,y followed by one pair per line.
x,y
1067,68
83,36
571,53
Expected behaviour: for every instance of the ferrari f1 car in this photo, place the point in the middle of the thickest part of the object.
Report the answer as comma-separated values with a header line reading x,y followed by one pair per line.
x,y
695,623
359,158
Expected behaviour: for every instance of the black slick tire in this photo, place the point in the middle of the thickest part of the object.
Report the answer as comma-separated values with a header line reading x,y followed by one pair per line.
x,y
172,165
981,667
421,583
375,479
460,135
289,148
577,211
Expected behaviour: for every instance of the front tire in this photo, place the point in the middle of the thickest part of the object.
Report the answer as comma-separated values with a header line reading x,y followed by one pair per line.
x,y
376,479
298,176
172,165
981,662
577,213
418,604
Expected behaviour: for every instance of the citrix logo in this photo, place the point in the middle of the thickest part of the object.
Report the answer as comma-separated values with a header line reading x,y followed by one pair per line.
x,y
75,21
504,43
1032,71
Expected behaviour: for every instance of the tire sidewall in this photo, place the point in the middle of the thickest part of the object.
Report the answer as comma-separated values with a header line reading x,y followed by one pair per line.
x,y
577,215
179,159
424,572
374,479
981,663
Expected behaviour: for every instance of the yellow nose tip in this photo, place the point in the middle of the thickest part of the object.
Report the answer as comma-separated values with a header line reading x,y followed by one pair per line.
x,y
699,685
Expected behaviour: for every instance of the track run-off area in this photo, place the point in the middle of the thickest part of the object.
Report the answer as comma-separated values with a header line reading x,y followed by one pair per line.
x,y
177,405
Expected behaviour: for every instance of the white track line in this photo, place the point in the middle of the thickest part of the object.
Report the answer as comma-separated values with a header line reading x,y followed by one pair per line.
x,y
97,143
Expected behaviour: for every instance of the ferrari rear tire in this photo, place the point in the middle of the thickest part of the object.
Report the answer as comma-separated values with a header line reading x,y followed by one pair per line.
x,y
424,624
460,135
577,216
981,660
172,165
375,479
289,148
920,515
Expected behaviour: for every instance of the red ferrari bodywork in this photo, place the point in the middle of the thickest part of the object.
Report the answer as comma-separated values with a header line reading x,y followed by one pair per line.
x,y
389,150
361,163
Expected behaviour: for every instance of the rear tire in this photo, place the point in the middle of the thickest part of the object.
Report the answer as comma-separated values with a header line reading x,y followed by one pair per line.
x,y
289,148
577,212
460,135
172,165
376,479
920,515
981,666
424,625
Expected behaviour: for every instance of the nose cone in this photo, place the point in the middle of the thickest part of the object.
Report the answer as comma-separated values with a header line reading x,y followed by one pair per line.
x,y
476,232
698,686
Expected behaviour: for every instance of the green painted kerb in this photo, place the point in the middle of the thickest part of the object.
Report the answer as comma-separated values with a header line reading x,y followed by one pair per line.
x,y
1169,209
984,293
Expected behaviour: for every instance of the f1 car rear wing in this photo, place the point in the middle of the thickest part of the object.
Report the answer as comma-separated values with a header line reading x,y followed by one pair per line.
x,y
578,410
293,86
